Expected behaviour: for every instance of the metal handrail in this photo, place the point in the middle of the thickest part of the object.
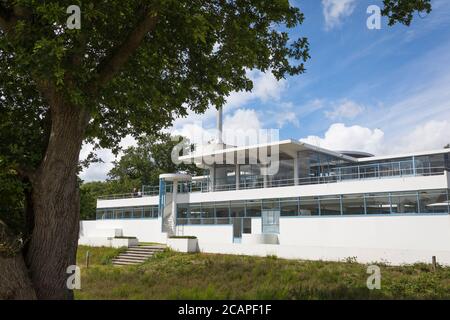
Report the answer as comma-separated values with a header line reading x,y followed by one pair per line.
x,y
333,176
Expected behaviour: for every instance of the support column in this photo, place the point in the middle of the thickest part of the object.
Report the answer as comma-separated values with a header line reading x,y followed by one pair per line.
x,y
212,178
296,170
172,221
238,176
265,180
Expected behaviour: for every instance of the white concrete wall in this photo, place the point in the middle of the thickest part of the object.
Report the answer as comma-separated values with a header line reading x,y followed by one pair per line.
x,y
129,202
383,232
220,234
346,187
146,230
362,255
256,225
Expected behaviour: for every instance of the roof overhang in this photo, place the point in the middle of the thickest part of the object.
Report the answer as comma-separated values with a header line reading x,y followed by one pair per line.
x,y
290,147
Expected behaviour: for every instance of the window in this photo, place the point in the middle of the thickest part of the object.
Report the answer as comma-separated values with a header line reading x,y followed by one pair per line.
x,y
353,204
253,208
222,212
118,214
330,206
195,213
207,210
404,202
182,211
237,209
378,204
127,213
309,206
289,207
433,201
138,212
269,204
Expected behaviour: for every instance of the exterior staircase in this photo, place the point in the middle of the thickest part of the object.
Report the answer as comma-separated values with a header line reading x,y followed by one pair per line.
x,y
137,255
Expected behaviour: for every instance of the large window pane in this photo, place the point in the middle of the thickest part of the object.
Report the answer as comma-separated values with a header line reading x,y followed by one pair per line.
x,y
330,206
353,204
404,202
433,201
222,209
138,212
237,209
118,213
378,204
195,213
309,206
207,210
253,208
289,207
269,204
182,210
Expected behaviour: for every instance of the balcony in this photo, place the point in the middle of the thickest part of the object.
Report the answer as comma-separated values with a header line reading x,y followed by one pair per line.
x,y
331,175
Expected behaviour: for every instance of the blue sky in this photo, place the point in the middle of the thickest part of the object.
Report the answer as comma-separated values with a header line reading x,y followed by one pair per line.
x,y
381,91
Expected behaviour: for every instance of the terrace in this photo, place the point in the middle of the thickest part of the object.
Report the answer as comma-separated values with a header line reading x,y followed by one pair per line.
x,y
320,175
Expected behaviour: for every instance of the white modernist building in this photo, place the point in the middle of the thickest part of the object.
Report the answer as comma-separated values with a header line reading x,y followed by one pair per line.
x,y
294,200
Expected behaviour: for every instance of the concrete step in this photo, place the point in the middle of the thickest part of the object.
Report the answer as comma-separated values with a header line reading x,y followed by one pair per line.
x,y
137,260
123,263
137,254
144,252
134,256
128,260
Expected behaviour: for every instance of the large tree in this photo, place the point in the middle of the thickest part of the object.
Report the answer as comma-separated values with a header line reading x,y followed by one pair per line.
x,y
131,69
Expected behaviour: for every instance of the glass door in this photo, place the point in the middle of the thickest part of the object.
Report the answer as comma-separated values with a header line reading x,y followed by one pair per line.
x,y
270,221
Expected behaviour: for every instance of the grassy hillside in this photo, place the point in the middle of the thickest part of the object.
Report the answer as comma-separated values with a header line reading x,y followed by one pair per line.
x,y
171,275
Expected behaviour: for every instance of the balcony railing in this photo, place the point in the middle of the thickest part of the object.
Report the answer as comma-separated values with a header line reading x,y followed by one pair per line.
x,y
146,191
340,174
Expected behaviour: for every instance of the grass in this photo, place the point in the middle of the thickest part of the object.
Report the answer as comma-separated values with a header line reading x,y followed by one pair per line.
x,y
171,275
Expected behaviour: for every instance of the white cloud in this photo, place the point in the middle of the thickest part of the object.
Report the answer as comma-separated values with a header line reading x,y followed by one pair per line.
x,y
336,10
242,119
345,109
265,87
433,134
99,171
340,137
282,115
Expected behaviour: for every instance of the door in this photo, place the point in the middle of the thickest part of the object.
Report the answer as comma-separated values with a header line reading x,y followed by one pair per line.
x,y
270,221
237,229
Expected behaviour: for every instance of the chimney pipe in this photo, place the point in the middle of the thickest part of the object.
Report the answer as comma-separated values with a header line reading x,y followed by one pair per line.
x,y
219,126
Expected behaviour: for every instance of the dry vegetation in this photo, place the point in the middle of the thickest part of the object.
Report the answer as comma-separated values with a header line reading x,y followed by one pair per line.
x,y
171,275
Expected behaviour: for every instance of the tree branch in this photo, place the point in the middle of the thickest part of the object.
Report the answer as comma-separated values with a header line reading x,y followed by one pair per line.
x,y
9,16
5,19
119,56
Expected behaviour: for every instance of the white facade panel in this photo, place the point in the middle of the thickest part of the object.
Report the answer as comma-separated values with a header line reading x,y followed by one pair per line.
x,y
414,183
146,230
129,202
207,233
382,232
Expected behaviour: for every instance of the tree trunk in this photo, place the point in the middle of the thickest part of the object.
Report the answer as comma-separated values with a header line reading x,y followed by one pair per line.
x,y
14,280
53,243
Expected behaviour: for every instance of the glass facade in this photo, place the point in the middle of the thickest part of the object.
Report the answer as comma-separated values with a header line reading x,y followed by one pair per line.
x,y
129,212
422,202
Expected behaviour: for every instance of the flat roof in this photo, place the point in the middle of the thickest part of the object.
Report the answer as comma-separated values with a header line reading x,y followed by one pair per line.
x,y
287,146
404,155
291,145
